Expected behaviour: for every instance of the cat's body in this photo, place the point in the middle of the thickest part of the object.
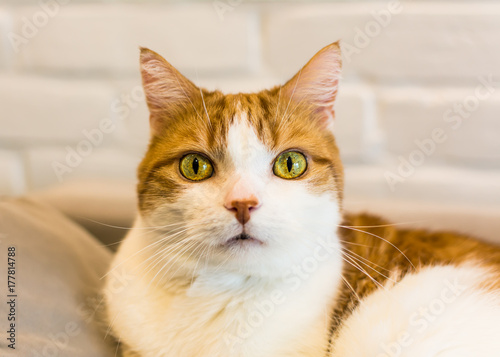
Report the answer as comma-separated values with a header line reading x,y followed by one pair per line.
x,y
237,249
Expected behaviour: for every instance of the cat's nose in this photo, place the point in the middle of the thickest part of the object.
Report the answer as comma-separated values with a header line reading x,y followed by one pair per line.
x,y
242,208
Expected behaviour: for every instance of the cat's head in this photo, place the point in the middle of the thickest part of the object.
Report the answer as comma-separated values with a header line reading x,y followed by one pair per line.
x,y
251,181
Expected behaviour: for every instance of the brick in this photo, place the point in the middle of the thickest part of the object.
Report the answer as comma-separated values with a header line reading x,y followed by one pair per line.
x,y
477,141
406,114
12,179
48,110
460,200
106,37
5,48
102,163
355,123
130,109
293,34
362,181
428,184
135,131
409,114
425,42
433,42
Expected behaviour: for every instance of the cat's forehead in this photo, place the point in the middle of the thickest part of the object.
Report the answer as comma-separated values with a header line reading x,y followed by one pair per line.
x,y
242,139
245,125
239,124
245,148
255,114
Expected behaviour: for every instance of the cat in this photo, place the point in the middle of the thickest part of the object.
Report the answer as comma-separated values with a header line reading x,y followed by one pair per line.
x,y
241,247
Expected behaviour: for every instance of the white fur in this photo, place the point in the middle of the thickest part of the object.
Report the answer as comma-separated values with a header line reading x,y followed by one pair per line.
x,y
263,300
439,312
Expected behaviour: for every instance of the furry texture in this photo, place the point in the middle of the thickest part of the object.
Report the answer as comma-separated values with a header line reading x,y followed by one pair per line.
x,y
415,293
199,283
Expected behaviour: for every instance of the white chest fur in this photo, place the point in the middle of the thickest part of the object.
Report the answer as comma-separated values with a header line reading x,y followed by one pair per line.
x,y
222,314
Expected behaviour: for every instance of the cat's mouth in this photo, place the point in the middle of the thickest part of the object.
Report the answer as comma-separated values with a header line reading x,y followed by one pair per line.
x,y
242,239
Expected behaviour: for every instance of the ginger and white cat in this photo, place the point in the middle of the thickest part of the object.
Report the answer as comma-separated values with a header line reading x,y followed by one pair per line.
x,y
241,247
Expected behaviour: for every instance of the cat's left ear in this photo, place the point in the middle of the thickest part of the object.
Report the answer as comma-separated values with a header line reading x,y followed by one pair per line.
x,y
316,83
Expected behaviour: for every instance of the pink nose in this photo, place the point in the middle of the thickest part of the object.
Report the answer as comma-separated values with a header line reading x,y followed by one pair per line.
x,y
242,208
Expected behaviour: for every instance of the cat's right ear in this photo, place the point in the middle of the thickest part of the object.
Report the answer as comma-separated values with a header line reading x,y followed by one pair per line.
x,y
167,91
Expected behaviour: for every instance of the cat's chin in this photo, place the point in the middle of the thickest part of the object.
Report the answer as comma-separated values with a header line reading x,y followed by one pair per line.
x,y
242,240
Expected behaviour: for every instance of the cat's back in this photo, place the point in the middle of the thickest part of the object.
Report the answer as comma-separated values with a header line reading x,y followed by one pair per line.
x,y
394,246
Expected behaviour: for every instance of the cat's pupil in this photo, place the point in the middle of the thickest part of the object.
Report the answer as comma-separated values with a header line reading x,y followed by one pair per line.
x,y
289,163
196,166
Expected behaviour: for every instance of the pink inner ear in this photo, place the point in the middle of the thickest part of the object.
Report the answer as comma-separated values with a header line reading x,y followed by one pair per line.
x,y
327,117
317,82
163,85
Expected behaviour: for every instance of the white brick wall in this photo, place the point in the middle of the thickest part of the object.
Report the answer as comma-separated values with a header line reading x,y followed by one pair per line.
x,y
43,109
436,42
4,47
102,162
440,184
419,60
356,123
420,41
105,38
472,138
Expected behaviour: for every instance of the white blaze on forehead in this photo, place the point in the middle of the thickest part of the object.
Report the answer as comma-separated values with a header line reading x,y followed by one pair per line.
x,y
248,154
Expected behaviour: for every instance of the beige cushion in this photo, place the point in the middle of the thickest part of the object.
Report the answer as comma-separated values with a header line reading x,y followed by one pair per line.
x,y
58,272
105,208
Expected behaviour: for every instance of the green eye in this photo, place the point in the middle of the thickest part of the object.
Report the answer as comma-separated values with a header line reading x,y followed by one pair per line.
x,y
196,167
290,164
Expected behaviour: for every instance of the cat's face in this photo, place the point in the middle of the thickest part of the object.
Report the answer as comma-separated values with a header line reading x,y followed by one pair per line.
x,y
251,181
